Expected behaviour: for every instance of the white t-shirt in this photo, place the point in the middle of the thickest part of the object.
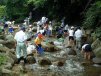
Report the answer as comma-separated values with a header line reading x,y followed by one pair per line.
x,y
71,32
83,47
78,33
20,36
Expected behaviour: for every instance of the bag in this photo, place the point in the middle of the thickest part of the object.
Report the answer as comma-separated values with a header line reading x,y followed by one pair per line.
x,y
40,50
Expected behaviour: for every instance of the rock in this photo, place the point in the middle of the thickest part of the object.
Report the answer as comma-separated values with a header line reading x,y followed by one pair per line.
x,y
97,60
9,44
10,60
44,61
11,55
8,66
72,52
97,52
31,60
18,68
9,37
4,49
5,72
86,63
96,44
49,47
2,37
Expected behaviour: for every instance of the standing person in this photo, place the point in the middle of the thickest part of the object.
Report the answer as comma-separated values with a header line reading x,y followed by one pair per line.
x,y
87,50
71,35
78,34
21,40
37,42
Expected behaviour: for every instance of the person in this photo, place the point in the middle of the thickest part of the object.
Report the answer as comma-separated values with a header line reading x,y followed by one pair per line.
x,y
87,50
78,35
71,36
10,29
21,41
37,42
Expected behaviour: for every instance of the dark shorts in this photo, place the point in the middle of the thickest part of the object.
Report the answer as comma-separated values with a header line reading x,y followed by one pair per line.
x,y
71,38
88,48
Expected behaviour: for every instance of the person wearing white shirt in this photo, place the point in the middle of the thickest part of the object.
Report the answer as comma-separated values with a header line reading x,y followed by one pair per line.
x,y
71,37
21,38
78,35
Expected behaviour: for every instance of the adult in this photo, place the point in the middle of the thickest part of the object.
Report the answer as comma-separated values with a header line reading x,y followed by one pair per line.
x,y
21,40
78,35
87,50
71,36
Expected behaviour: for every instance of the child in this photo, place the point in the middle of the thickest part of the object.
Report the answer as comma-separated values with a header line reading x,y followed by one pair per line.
x,y
37,42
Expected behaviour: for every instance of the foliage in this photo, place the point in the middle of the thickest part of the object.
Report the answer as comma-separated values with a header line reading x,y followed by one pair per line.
x,y
16,9
2,59
98,32
2,11
93,15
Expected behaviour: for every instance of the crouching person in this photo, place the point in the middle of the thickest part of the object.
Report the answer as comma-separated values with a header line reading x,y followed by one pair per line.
x,y
37,42
87,50
21,38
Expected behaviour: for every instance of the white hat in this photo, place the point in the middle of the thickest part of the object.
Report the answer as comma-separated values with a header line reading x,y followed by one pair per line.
x,y
72,27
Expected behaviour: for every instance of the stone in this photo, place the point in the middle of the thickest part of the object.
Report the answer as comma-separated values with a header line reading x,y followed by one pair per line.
x,y
96,44
97,52
72,52
31,60
97,60
44,61
11,55
49,47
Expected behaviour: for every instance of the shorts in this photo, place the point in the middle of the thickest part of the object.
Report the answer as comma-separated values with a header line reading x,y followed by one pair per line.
x,y
71,38
88,48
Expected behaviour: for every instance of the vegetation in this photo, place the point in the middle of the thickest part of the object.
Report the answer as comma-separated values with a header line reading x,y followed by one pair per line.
x,y
2,59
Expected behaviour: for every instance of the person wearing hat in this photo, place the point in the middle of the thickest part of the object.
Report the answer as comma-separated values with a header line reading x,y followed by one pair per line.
x,y
37,42
21,40
71,36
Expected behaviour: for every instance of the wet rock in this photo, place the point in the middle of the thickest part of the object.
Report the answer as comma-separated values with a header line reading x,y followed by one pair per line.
x,y
8,66
2,37
97,52
11,55
49,47
18,68
10,44
44,61
6,71
72,52
10,60
87,63
97,60
96,44
9,37
31,60
4,49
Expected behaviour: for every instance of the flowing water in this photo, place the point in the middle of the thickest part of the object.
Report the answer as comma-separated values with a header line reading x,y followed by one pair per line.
x,y
72,66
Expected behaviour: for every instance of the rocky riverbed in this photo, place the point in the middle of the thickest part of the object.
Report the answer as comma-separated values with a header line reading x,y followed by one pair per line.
x,y
58,60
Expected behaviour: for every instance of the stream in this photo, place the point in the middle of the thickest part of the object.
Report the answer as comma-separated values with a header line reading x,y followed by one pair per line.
x,y
73,65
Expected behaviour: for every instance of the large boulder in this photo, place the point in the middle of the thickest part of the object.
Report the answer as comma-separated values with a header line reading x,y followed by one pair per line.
x,y
44,61
96,44
49,47
97,60
97,52
31,60
72,52
9,37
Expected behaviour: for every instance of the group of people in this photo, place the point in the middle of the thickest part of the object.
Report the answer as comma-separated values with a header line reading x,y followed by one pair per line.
x,y
45,28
